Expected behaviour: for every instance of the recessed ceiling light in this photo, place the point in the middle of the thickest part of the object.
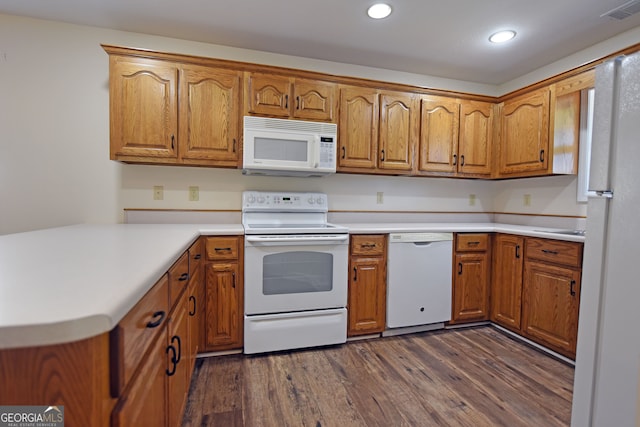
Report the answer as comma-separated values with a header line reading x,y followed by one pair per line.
x,y
502,36
379,11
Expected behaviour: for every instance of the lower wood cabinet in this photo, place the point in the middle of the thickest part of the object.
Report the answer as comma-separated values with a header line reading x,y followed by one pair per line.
x,y
224,293
471,274
367,294
506,280
536,289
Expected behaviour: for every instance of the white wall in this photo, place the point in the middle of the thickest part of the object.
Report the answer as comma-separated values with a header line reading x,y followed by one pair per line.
x,y
54,159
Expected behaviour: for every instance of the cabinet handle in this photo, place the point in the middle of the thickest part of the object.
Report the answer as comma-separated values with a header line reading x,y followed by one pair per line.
x,y
382,155
183,277
179,351
222,249
286,101
173,139
572,288
159,316
549,251
368,245
192,312
297,102
233,280
541,156
197,256
517,251
344,152
459,268
462,160
476,243
234,145
355,274
173,361
455,159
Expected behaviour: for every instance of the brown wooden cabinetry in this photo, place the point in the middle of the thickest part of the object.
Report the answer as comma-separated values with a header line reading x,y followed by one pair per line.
x,y
378,130
455,137
173,113
506,280
290,97
471,275
224,293
367,284
551,293
524,134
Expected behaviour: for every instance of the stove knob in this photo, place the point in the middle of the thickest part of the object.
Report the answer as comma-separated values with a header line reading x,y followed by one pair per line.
x,y
311,200
251,198
260,199
320,201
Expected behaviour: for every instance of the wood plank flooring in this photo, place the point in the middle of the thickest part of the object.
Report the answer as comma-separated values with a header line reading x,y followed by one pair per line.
x,y
461,377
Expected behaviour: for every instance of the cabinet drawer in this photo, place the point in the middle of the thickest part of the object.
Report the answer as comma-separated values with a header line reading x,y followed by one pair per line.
x,y
131,339
178,278
555,251
196,256
368,245
472,242
224,248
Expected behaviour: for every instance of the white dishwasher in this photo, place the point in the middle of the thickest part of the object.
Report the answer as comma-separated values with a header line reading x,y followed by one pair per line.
x,y
419,279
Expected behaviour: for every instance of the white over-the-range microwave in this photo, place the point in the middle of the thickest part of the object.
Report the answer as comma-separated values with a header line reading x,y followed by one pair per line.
x,y
288,147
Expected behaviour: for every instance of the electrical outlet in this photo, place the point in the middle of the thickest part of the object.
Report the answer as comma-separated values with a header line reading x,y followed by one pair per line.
x,y
527,200
379,197
472,199
158,192
194,193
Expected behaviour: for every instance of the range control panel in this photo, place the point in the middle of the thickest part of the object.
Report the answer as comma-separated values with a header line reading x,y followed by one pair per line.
x,y
283,201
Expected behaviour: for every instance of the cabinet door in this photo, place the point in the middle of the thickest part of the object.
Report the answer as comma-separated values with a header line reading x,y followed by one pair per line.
x,y
224,315
178,371
145,401
475,140
551,303
367,296
471,287
209,116
524,136
358,127
440,120
195,304
506,285
399,130
143,109
268,94
314,100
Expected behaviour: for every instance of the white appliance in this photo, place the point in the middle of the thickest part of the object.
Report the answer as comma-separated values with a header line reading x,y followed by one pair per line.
x,y
608,351
419,280
295,272
288,147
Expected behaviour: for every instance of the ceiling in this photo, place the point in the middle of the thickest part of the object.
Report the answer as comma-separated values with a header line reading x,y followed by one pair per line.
x,y
444,38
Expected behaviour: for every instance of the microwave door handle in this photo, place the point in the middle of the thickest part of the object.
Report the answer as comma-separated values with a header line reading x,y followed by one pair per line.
x,y
315,152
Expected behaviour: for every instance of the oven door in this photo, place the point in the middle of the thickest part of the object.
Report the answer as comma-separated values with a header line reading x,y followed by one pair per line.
x,y
286,273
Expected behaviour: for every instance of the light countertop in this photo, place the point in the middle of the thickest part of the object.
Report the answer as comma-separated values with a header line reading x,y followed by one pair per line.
x,y
69,283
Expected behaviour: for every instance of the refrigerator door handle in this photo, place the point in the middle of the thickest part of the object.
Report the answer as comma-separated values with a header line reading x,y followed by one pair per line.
x,y
605,194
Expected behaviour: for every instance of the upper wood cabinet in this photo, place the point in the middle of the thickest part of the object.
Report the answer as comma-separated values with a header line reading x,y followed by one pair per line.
x,y
143,96
378,130
399,130
290,97
209,115
524,135
358,128
455,137
172,113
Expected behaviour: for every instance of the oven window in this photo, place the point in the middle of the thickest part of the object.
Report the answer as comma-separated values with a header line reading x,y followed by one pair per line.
x,y
297,272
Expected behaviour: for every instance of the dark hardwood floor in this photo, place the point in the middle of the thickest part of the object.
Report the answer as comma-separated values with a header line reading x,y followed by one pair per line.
x,y
461,377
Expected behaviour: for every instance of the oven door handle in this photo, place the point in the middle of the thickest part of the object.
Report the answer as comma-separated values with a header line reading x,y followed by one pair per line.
x,y
306,240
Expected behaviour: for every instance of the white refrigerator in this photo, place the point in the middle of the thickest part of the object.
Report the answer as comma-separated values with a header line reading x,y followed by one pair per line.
x,y
607,373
